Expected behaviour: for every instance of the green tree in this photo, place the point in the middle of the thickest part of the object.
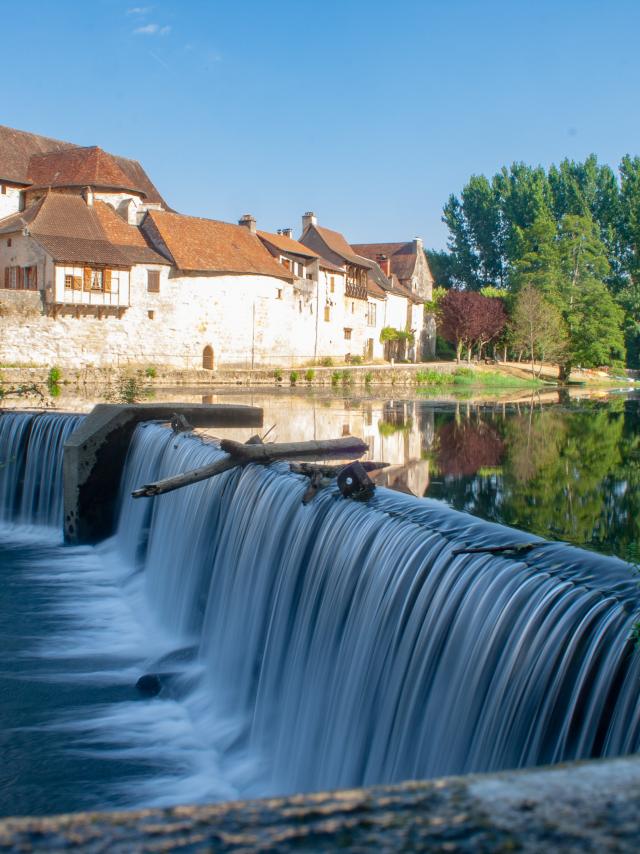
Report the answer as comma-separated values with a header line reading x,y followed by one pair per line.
x,y
538,328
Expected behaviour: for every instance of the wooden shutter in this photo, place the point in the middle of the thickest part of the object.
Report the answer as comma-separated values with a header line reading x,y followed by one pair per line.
x,y
33,278
106,280
87,279
153,281
19,272
6,278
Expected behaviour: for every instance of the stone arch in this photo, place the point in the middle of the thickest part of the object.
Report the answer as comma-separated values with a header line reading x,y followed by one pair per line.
x,y
207,358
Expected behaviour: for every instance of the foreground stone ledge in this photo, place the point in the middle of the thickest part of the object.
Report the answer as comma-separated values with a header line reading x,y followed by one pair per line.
x,y
589,806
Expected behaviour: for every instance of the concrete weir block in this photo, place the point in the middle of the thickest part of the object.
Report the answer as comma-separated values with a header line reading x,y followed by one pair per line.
x,y
95,453
582,806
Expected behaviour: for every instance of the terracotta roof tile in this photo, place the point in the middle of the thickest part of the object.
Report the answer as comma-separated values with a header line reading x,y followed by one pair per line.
x,y
18,147
373,288
129,239
207,245
287,244
79,167
68,229
401,255
337,243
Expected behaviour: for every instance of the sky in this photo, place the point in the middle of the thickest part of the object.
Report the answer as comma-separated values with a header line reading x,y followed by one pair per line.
x,y
368,113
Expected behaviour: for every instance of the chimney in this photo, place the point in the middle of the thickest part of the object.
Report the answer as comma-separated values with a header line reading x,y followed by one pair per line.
x,y
249,222
384,262
309,218
286,232
87,195
417,242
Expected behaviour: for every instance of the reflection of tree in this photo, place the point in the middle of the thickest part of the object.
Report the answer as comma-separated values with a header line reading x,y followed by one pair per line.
x,y
463,447
572,475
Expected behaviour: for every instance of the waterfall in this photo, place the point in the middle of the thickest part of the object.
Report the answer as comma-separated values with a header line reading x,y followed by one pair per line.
x,y
358,649
339,643
31,466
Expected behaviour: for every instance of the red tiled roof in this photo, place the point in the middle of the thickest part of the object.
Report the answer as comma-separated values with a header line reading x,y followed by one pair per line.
x,y
79,167
129,239
207,245
373,288
287,244
401,255
18,147
68,230
337,243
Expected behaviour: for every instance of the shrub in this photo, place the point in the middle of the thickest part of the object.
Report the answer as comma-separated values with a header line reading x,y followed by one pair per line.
x,y
277,375
326,362
150,372
335,377
309,375
368,377
356,360
293,377
347,379
54,376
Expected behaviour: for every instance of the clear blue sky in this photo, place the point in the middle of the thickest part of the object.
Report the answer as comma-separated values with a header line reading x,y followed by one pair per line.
x,y
369,113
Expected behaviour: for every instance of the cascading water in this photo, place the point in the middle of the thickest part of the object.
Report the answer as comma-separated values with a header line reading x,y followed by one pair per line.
x,y
31,466
339,644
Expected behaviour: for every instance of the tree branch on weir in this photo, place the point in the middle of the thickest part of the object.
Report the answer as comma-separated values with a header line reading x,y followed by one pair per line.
x,y
240,455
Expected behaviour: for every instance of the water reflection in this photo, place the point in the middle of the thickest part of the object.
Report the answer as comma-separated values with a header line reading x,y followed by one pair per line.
x,y
569,473
564,465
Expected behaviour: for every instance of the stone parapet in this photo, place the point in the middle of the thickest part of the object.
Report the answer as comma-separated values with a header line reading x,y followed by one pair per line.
x,y
577,807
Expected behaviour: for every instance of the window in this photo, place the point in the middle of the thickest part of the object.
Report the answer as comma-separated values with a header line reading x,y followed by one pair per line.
x,y
3,190
97,280
286,262
151,315
371,314
353,308
73,282
333,284
30,278
8,241
327,313
279,294
153,281
300,306
347,335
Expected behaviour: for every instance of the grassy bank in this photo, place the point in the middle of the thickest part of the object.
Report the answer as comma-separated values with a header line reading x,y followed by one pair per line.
x,y
468,378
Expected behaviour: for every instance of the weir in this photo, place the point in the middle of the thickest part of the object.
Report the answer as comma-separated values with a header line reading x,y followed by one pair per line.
x,y
95,453
348,644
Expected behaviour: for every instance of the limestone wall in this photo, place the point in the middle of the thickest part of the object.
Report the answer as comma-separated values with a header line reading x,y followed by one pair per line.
x,y
9,200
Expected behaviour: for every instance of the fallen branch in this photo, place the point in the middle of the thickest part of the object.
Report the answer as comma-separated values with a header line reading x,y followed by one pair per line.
x,y
240,455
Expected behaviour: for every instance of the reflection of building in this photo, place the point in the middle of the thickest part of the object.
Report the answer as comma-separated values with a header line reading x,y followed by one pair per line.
x,y
397,432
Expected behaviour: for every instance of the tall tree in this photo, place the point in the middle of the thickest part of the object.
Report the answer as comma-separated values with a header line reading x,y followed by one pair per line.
x,y
538,328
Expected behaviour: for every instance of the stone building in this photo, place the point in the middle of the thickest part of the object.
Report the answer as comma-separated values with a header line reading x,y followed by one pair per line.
x,y
95,269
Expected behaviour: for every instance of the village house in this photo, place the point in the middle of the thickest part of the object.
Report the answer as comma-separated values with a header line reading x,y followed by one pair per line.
x,y
95,269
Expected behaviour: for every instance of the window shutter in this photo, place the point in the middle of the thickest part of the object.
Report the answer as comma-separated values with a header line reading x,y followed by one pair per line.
x,y
153,281
19,278
107,280
34,277
87,278
6,277
77,283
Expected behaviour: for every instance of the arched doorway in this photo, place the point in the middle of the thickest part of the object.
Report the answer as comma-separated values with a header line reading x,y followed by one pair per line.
x,y
207,358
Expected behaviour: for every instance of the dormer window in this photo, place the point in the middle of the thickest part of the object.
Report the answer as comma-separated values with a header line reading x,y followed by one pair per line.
x,y
286,262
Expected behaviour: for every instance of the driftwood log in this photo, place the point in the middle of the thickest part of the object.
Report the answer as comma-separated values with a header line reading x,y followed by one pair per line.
x,y
239,455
